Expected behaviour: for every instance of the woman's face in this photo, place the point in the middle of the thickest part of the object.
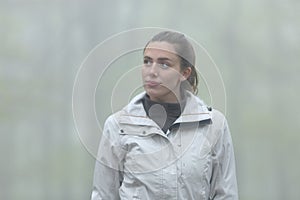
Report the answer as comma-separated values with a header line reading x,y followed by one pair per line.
x,y
161,72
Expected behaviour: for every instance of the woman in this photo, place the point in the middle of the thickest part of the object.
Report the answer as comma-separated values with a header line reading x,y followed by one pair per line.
x,y
166,144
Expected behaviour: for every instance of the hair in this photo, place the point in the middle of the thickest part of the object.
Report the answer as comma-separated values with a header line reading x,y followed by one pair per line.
x,y
185,52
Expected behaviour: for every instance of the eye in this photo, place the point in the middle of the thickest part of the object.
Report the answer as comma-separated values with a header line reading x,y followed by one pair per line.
x,y
147,62
164,65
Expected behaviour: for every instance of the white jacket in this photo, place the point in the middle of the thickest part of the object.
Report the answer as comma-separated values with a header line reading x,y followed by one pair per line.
x,y
193,160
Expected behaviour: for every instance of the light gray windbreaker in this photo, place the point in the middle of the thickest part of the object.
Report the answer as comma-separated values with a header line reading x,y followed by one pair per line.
x,y
193,160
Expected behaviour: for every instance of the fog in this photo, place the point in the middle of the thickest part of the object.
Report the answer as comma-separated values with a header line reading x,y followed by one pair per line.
x,y
252,77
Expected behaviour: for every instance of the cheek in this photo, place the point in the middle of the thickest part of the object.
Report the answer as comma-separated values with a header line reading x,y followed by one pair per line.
x,y
171,79
143,72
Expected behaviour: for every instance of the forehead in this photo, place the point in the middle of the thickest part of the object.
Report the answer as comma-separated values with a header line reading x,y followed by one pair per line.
x,y
160,49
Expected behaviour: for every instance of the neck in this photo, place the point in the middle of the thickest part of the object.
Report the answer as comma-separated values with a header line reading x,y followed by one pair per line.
x,y
168,98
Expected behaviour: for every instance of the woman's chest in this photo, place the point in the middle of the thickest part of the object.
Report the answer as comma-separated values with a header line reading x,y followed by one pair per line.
x,y
185,151
178,165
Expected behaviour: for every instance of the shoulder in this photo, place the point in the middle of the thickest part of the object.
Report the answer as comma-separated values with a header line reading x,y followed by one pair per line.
x,y
218,117
113,120
218,128
133,108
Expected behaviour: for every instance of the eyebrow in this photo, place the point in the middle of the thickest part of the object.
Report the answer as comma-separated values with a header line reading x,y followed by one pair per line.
x,y
159,59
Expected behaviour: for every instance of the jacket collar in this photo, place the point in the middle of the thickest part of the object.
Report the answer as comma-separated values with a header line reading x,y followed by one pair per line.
x,y
134,113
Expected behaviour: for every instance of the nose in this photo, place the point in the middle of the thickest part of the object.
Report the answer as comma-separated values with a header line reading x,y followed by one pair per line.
x,y
153,69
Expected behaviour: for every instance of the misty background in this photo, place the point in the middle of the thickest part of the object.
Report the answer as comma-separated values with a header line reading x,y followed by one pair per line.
x,y
255,44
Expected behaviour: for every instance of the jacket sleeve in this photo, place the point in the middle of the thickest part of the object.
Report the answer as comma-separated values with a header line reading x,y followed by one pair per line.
x,y
108,167
223,179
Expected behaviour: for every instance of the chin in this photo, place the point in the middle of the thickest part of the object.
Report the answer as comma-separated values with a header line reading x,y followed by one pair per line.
x,y
153,93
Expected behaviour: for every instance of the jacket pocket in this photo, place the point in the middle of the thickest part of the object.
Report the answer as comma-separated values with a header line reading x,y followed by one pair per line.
x,y
195,166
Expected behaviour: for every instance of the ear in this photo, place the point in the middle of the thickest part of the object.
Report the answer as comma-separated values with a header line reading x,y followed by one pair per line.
x,y
186,73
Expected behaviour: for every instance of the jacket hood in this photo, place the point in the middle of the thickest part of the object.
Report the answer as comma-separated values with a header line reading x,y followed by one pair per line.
x,y
194,110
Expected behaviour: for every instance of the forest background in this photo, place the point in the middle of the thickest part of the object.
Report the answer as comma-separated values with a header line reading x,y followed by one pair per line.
x,y
254,43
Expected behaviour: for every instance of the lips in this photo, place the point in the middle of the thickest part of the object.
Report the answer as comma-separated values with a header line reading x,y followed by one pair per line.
x,y
152,83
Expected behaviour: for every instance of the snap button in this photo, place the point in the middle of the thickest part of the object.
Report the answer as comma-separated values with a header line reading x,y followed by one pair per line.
x,y
122,131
